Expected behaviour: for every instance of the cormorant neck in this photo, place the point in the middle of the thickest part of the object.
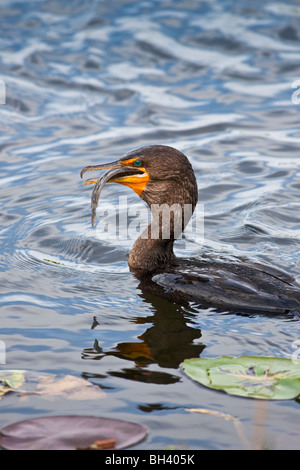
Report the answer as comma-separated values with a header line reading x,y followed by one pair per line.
x,y
154,247
147,255
172,201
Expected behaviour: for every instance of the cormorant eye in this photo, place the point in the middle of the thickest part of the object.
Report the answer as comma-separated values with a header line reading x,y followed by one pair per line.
x,y
138,163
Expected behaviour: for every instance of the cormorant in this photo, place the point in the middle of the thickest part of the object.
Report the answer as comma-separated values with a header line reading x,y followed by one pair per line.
x,y
163,177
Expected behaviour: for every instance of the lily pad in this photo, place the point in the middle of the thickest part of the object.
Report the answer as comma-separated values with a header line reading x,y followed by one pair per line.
x,y
48,386
11,380
270,378
71,433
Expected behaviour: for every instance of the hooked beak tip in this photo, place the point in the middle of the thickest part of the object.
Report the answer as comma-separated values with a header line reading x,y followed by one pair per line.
x,y
90,181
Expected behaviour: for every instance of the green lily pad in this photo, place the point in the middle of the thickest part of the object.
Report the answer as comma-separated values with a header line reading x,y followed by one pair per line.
x,y
270,378
11,380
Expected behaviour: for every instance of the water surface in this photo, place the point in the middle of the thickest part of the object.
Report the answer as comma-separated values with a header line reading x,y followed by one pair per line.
x,y
87,81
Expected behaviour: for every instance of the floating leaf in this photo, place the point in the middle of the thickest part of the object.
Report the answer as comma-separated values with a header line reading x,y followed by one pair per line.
x,y
48,385
248,376
70,387
71,433
11,380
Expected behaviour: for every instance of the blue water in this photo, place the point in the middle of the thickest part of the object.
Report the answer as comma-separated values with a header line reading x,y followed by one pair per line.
x,y
85,82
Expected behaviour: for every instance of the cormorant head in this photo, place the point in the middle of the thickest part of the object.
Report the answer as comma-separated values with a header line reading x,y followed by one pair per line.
x,y
157,173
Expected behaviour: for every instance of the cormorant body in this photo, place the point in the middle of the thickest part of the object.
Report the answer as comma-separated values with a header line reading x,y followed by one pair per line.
x,y
163,177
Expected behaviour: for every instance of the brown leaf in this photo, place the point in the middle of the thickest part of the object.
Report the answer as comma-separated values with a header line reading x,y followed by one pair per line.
x,y
70,387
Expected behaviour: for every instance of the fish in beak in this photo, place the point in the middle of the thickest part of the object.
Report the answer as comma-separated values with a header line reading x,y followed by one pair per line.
x,y
122,172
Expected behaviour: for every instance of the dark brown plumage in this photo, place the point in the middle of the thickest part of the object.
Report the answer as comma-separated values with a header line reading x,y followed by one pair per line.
x,y
163,177
173,183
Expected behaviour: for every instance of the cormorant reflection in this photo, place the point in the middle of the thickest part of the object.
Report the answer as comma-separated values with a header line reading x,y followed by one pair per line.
x,y
167,341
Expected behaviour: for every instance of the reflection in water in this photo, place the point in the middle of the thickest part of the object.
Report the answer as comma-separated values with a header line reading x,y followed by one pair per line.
x,y
166,343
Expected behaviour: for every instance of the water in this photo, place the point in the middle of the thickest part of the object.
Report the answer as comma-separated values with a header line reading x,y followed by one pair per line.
x,y
87,81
